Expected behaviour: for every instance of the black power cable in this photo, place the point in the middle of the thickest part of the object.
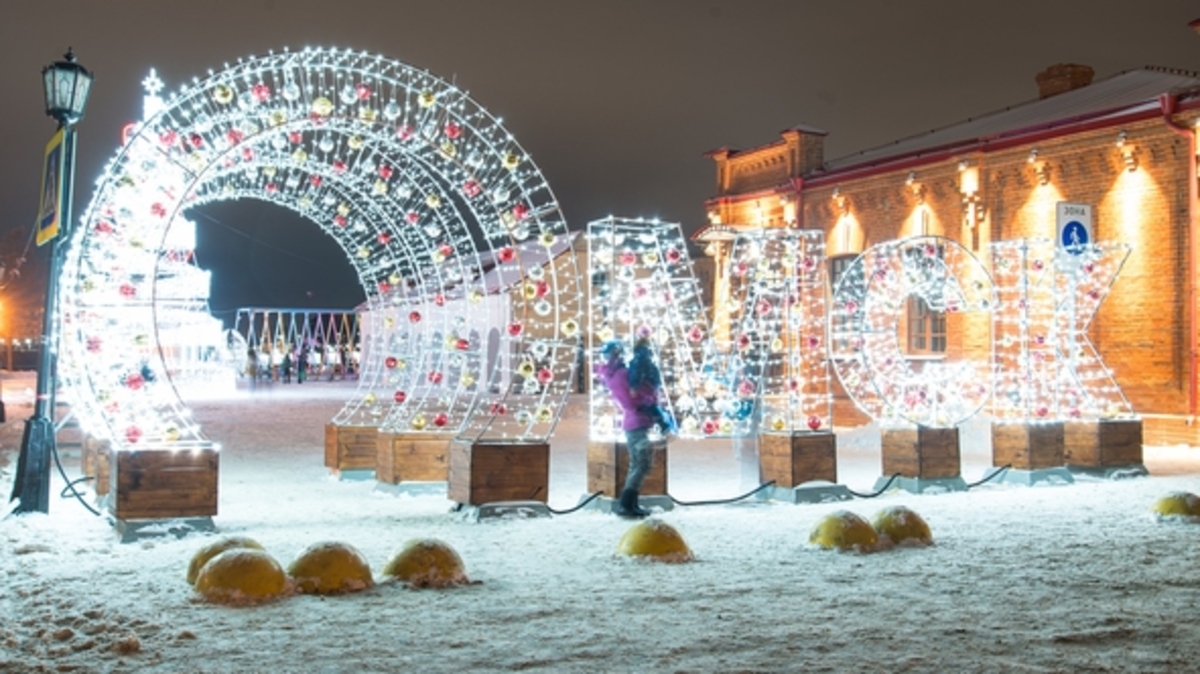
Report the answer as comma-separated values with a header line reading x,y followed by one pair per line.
x,y
735,499
879,491
582,503
71,484
990,476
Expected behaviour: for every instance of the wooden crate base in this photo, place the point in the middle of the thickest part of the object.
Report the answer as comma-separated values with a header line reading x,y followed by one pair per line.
x,y
791,459
486,472
1028,446
926,453
95,460
608,466
164,484
412,457
351,448
1103,444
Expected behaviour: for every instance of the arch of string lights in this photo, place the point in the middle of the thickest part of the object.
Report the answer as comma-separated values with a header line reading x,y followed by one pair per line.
x,y
432,200
870,301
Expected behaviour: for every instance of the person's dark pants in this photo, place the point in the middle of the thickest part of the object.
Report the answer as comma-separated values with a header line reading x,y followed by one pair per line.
x,y
640,457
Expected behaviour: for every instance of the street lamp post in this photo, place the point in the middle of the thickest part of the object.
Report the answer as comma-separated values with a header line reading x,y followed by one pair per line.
x,y
66,85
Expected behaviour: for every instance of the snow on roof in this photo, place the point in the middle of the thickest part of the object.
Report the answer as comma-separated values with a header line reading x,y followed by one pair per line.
x,y
1127,91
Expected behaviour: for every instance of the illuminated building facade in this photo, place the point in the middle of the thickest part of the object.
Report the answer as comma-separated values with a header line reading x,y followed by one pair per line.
x,y
1125,145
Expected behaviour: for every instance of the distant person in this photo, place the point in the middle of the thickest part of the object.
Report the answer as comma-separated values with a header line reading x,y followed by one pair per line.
x,y
252,366
302,365
287,367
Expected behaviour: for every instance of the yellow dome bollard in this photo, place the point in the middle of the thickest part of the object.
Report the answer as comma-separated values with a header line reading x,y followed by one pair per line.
x,y
1178,504
330,568
844,530
241,575
427,563
215,548
899,525
655,540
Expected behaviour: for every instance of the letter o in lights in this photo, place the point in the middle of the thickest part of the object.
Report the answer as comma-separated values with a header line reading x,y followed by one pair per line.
x,y
929,279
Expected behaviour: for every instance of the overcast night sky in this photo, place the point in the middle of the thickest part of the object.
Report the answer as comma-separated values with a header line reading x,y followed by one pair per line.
x,y
615,100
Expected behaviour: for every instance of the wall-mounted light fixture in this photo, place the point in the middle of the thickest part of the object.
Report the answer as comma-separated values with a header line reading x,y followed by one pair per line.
x,y
915,187
1041,168
1127,151
840,201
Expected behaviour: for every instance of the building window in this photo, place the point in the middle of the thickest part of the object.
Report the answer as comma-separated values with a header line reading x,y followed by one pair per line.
x,y
837,323
837,267
926,329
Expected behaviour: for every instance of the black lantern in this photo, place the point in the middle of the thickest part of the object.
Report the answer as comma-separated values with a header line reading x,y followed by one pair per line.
x,y
66,84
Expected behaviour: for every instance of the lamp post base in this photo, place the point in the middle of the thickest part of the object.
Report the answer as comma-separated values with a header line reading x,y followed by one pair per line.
x,y
32,484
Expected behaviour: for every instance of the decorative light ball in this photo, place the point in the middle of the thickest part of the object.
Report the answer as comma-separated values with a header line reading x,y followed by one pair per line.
x,y
654,540
466,380
546,238
523,417
215,548
511,161
777,344
369,398
1179,504
330,568
399,397
814,422
900,525
570,327
843,530
322,106
778,423
419,422
544,414
605,333
241,575
526,368
427,563
222,94
650,258
440,419
426,98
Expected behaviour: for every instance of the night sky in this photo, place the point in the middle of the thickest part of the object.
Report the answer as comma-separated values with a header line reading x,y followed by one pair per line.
x,y
615,100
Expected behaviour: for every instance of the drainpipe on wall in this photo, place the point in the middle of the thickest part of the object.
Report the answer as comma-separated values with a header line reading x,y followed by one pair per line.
x,y
1167,102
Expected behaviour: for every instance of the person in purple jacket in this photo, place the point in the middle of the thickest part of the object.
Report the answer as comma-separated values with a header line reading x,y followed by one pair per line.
x,y
635,389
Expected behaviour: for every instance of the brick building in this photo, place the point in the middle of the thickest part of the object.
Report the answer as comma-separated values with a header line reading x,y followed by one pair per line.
x,y
1126,145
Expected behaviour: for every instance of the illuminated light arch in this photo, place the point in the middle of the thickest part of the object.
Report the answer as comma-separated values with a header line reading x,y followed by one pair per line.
x,y
867,309
425,191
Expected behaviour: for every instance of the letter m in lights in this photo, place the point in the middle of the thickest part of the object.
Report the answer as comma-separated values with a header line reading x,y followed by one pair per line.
x,y
1082,281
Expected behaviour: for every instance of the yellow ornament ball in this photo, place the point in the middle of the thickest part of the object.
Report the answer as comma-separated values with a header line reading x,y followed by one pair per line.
x,y
427,563
215,548
1178,504
241,575
222,94
322,106
778,423
843,530
330,568
654,540
419,422
901,525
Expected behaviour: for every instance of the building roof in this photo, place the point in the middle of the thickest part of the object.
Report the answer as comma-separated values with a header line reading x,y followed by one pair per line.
x,y
1123,93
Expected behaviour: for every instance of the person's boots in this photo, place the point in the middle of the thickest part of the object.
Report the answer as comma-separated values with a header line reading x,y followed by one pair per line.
x,y
628,505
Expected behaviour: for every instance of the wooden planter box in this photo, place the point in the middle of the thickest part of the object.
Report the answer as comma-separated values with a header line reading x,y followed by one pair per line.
x,y
791,459
412,457
926,453
1028,446
350,447
95,460
608,466
1103,444
164,484
483,472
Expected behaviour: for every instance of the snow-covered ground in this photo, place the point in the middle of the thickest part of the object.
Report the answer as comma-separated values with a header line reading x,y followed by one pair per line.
x,y
1054,578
